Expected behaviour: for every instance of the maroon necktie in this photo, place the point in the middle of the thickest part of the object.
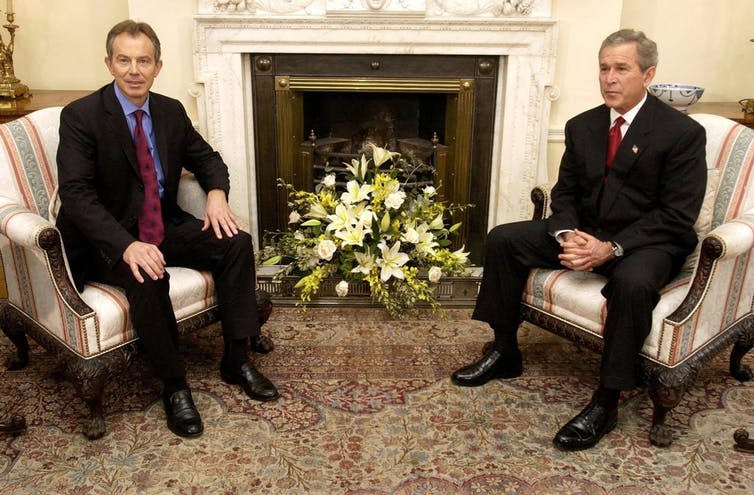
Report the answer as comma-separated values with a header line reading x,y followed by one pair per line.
x,y
613,141
151,228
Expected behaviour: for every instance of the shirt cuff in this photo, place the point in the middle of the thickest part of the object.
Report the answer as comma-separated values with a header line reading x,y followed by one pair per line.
x,y
559,233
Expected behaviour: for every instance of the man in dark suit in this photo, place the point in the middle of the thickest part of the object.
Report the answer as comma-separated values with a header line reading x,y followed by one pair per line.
x,y
120,157
629,218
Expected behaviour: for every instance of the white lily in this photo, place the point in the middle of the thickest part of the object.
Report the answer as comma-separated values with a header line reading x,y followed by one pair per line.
x,y
460,255
426,242
355,192
351,236
316,210
429,191
391,261
437,223
381,155
341,219
294,217
358,168
365,262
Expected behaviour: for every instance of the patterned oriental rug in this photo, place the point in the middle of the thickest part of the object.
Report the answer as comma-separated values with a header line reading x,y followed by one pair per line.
x,y
367,408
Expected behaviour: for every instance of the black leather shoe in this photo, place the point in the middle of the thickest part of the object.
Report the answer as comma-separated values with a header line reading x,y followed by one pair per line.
x,y
261,344
183,418
493,364
587,427
254,383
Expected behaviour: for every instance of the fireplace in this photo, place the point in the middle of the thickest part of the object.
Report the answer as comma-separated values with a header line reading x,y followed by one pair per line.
x,y
314,111
517,42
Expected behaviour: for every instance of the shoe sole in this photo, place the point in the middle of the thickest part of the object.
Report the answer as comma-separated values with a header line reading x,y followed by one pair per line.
x,y
181,434
502,376
232,381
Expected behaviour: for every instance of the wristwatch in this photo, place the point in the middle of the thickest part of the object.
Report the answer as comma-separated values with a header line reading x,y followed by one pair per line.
x,y
617,249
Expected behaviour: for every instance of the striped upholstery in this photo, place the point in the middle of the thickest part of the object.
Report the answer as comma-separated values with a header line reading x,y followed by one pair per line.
x,y
728,214
28,200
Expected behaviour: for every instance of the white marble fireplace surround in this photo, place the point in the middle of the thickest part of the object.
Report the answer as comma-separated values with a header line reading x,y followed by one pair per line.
x,y
520,32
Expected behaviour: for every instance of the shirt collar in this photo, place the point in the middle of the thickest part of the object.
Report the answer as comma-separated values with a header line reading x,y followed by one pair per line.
x,y
127,105
628,116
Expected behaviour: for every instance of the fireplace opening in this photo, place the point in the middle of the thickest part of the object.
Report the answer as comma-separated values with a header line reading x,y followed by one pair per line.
x,y
314,112
343,125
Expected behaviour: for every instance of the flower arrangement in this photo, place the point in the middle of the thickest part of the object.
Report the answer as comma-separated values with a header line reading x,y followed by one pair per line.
x,y
383,230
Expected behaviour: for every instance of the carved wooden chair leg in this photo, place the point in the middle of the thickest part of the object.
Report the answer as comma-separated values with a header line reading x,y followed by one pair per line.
x,y
664,399
742,372
92,377
15,425
15,333
262,343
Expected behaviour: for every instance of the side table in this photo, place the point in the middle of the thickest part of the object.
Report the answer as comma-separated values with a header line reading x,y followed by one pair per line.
x,y
40,98
728,109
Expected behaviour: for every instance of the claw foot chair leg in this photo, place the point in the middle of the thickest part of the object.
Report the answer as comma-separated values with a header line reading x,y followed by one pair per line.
x,y
739,371
664,399
92,377
14,426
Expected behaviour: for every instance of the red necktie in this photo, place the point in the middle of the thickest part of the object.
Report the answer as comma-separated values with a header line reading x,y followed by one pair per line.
x,y
613,141
151,228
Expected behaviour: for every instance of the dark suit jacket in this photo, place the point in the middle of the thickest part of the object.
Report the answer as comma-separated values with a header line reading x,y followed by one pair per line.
x,y
654,189
101,190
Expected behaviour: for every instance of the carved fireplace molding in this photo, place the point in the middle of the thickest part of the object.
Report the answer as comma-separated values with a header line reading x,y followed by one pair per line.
x,y
519,32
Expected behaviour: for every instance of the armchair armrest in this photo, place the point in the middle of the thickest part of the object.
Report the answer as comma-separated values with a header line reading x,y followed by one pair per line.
x,y
20,224
714,271
540,196
31,231
191,196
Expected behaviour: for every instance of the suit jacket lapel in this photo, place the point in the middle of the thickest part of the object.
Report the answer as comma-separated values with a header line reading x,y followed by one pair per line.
x,y
159,124
629,152
596,147
116,120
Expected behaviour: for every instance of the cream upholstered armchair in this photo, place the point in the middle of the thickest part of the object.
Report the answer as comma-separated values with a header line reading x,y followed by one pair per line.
x,y
90,331
704,310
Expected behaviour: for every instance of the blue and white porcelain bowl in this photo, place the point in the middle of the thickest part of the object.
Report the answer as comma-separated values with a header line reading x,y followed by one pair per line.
x,y
679,96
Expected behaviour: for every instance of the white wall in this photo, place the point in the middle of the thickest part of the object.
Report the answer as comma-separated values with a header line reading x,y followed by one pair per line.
x,y
60,45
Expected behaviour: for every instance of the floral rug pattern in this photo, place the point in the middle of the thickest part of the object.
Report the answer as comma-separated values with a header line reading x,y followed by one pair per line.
x,y
367,408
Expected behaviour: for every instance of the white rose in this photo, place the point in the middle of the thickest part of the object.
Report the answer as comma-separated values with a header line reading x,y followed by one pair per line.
x,y
294,217
329,180
430,191
395,200
325,249
342,288
434,274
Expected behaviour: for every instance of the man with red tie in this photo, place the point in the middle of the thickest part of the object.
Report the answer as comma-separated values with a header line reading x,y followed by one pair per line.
x,y
121,153
630,186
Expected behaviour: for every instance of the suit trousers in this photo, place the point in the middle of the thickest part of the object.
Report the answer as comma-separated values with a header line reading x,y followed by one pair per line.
x,y
231,262
631,291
